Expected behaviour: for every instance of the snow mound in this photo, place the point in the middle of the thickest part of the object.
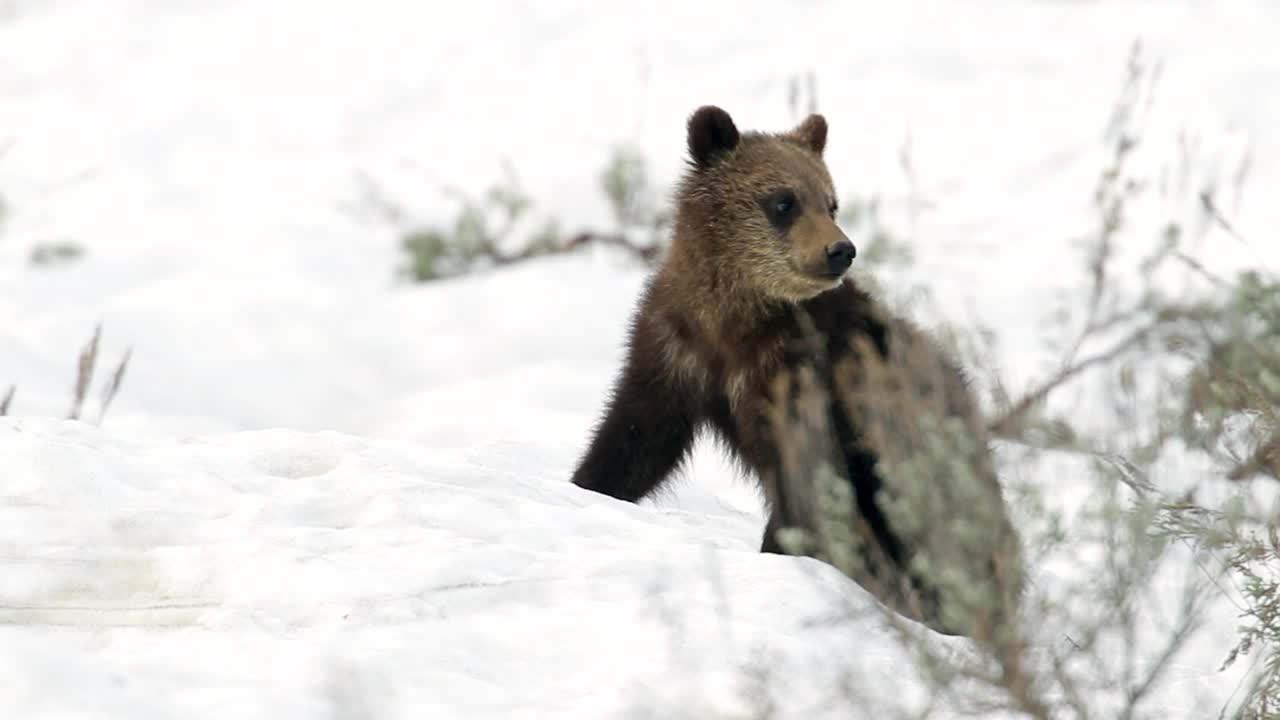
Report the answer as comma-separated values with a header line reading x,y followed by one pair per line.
x,y
293,575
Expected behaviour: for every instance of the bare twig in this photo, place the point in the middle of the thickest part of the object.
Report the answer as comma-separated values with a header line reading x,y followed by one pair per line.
x,y
84,372
1264,460
1210,207
1007,424
1189,622
113,387
375,198
1202,271
8,398
647,253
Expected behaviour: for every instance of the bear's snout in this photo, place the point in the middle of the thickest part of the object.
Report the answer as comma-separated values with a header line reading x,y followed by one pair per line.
x,y
840,256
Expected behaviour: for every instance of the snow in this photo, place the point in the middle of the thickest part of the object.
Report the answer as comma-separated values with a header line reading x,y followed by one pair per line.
x,y
245,574
321,493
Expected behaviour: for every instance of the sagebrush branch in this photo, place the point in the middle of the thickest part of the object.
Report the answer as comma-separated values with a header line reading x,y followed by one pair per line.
x,y
1007,424
648,253
1264,461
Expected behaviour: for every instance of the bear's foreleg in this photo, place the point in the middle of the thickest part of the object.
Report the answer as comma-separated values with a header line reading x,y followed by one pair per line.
x,y
646,432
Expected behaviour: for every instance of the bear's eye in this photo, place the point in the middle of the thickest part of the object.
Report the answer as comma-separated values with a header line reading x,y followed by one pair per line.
x,y
780,207
833,208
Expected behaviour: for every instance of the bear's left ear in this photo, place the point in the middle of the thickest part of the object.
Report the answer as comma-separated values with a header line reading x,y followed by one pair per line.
x,y
812,133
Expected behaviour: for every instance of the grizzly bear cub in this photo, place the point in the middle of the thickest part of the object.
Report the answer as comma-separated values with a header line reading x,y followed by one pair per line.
x,y
751,330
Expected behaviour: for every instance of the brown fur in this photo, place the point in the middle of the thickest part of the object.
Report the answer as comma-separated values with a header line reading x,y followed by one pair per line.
x,y
745,324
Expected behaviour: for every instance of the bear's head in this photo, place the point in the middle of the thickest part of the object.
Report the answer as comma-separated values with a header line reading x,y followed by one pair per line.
x,y
762,207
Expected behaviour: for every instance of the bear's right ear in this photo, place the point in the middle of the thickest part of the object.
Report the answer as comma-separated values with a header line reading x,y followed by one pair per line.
x,y
711,133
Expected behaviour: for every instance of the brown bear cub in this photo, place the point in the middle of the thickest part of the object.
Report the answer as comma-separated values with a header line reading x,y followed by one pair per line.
x,y
751,330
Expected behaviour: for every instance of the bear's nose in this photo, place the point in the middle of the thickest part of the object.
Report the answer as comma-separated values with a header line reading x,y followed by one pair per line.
x,y
840,256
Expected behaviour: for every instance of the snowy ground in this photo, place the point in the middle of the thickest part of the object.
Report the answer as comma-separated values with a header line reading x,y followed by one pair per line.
x,y
187,560
259,574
